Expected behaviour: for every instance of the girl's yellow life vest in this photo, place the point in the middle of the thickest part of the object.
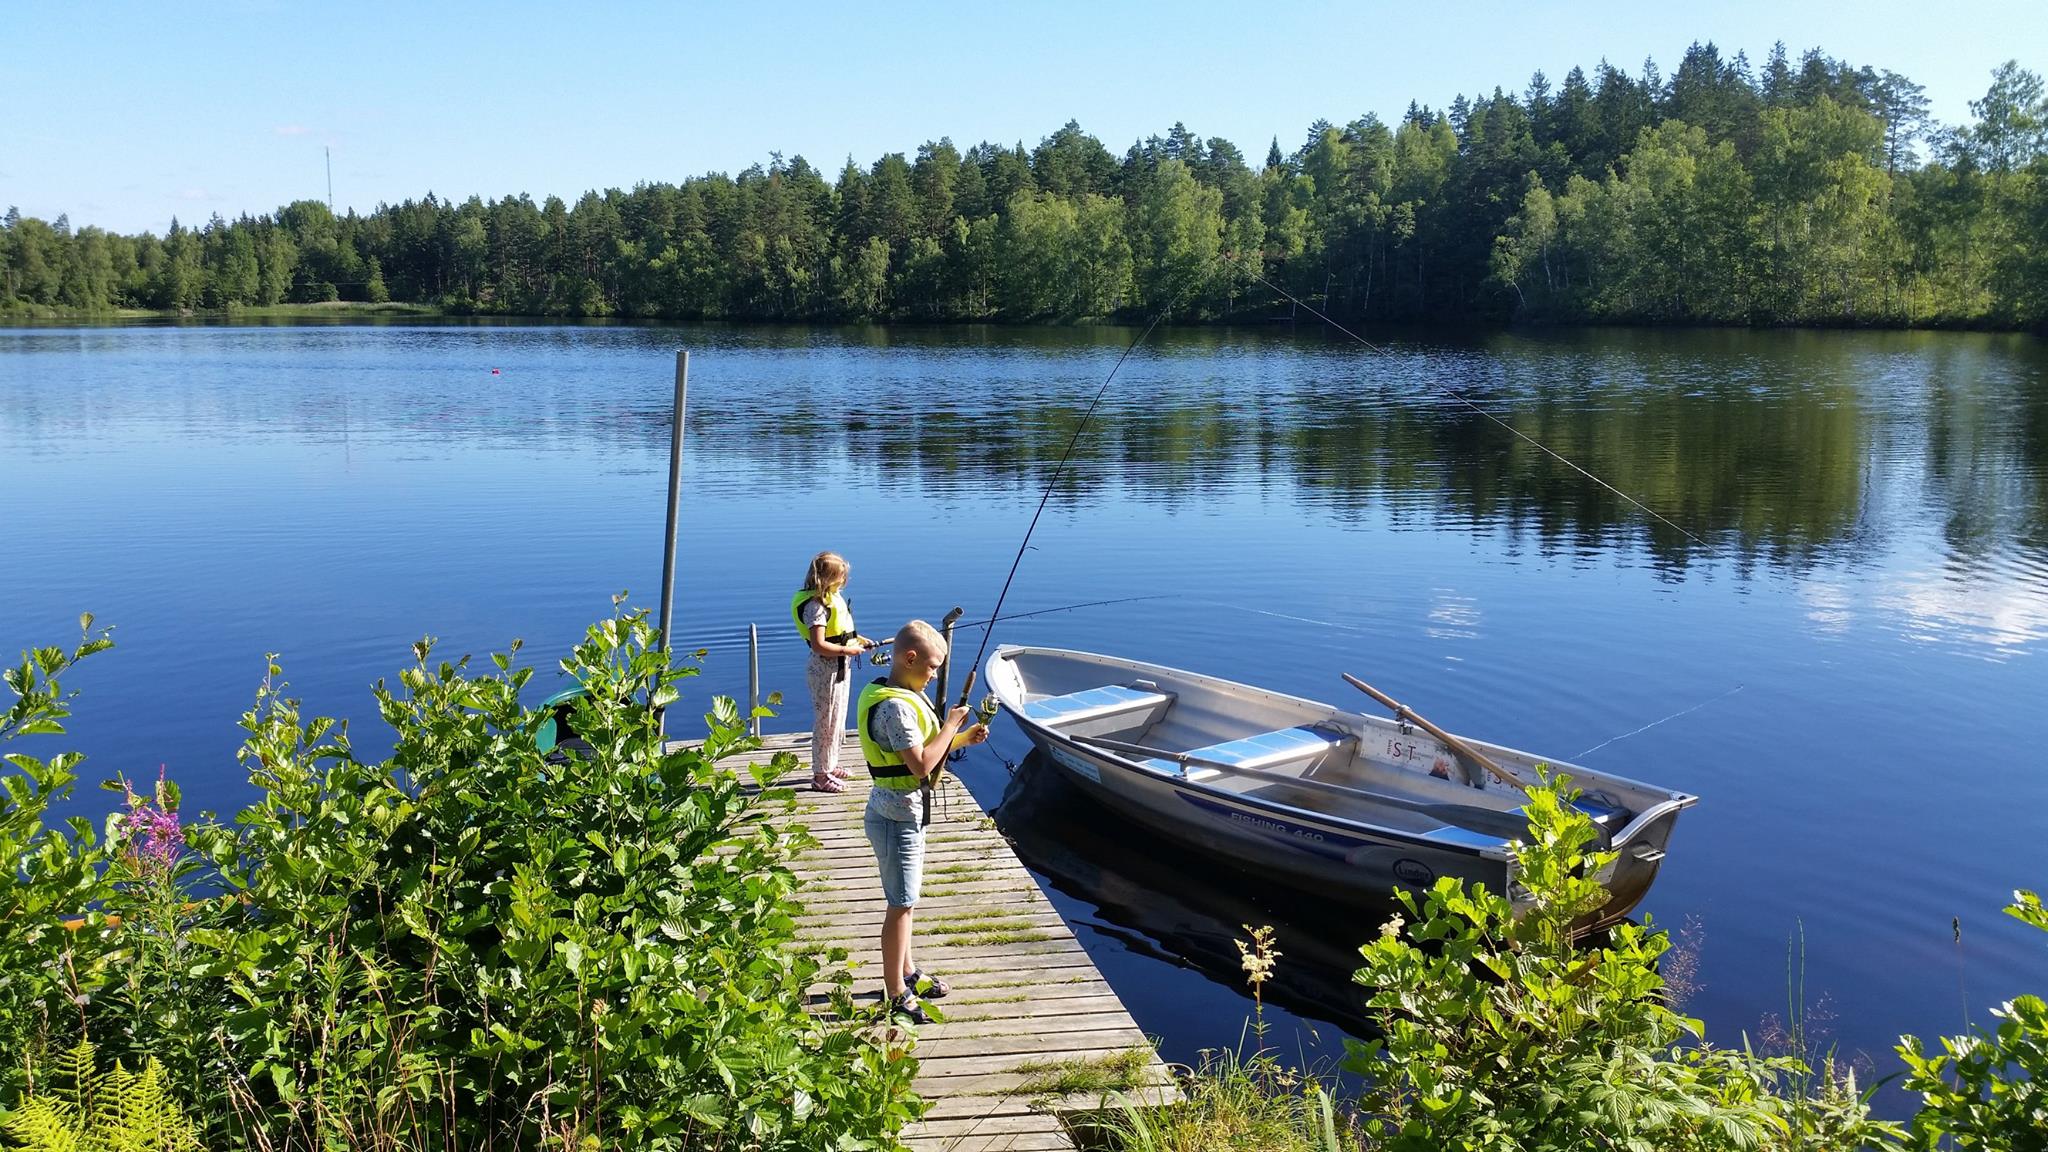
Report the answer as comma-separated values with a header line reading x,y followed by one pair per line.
x,y
886,766
838,616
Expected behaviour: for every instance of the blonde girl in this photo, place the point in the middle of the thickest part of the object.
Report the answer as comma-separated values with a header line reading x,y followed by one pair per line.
x,y
826,622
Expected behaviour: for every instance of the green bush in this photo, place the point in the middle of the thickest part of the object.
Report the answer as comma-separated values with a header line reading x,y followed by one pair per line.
x,y
47,873
1510,1033
1988,1090
1501,1033
468,944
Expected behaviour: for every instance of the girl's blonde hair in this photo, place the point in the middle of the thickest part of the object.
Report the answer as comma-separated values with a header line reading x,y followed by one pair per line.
x,y
828,570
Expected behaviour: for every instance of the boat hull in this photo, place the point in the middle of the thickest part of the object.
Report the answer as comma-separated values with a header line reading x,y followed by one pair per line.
x,y
1298,830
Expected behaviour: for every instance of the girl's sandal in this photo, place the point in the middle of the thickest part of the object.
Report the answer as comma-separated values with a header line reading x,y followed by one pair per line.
x,y
929,987
826,784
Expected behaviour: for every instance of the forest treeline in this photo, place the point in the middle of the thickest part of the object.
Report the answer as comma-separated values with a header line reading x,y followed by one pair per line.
x,y
1807,192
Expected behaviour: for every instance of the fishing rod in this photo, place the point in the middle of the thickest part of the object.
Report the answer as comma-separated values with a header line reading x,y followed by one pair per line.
x,y
930,783
1052,484
1258,275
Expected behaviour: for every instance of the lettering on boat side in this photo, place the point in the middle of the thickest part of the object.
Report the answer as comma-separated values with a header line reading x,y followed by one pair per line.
x,y
1265,825
1315,841
1411,871
1077,763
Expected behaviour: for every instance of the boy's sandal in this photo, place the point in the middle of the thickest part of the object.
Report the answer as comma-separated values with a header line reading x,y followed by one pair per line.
x,y
929,987
826,784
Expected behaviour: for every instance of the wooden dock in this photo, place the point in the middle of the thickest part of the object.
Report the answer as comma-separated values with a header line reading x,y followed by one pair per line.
x,y
1025,995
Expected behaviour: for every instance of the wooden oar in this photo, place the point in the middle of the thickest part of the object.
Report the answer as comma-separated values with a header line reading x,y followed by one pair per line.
x,y
1456,745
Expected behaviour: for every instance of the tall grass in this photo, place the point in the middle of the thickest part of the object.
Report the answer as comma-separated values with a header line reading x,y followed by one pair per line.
x,y
1237,1103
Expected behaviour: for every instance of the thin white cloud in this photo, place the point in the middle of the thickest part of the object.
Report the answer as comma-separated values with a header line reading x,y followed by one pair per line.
x,y
291,129
196,194
1994,621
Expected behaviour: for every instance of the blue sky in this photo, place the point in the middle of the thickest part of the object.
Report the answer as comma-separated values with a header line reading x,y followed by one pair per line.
x,y
124,115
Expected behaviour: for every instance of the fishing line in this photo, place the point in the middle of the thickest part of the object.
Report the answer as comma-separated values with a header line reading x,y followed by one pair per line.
x,y
1461,398
1654,723
1063,608
1285,616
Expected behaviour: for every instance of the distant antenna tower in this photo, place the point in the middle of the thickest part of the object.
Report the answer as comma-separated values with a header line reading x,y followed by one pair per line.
x,y
329,151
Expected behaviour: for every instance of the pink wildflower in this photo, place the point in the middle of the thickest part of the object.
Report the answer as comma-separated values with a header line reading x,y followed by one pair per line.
x,y
153,829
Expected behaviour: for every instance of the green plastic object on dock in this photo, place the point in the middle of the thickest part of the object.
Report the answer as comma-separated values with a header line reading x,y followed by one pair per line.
x,y
559,707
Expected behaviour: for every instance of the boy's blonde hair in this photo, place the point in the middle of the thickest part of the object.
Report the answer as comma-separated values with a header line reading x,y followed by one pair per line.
x,y
828,570
921,636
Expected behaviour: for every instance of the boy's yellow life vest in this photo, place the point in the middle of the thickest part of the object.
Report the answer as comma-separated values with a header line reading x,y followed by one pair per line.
x,y
886,766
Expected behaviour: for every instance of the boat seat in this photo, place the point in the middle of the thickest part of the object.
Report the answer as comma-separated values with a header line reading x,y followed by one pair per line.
x,y
1464,837
1263,751
1102,703
1604,816
1608,818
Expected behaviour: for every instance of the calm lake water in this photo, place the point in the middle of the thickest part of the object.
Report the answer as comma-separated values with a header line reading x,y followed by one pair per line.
x,y
1851,672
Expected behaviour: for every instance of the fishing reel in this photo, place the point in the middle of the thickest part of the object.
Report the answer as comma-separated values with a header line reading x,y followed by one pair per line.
x,y
877,654
984,713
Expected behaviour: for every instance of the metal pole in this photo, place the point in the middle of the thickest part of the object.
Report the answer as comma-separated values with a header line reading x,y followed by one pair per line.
x,y
925,789
754,678
675,499
946,630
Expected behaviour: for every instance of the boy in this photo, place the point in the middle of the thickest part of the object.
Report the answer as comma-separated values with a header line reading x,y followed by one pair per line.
x,y
905,744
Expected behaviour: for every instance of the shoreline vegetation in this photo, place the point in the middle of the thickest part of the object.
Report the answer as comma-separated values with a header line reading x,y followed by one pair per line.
x,y
329,309
478,941
1505,1029
1795,192
358,312
487,941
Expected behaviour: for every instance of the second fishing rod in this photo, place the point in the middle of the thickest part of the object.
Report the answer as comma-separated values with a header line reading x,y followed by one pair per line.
x,y
996,614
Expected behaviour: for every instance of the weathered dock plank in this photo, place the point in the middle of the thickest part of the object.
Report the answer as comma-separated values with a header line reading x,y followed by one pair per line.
x,y
1024,990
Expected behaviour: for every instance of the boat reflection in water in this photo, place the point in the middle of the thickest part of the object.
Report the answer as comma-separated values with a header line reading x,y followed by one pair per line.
x,y
1163,900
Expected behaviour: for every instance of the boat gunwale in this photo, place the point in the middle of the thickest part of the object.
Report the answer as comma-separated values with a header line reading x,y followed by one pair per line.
x,y
1674,802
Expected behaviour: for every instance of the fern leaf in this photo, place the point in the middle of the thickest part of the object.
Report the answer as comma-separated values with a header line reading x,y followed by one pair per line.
x,y
46,1125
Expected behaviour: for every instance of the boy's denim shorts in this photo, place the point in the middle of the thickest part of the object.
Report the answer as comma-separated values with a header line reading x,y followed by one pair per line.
x,y
899,851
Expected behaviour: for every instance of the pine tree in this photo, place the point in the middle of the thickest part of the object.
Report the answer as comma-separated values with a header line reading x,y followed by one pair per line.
x,y
1902,105
1777,81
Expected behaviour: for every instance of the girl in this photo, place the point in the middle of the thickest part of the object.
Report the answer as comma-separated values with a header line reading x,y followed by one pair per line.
x,y
826,622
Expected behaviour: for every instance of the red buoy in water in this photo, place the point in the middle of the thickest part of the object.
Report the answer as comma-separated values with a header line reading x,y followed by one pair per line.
x,y
494,371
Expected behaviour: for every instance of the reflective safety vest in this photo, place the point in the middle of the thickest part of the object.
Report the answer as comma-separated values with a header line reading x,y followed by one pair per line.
x,y
885,766
838,616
